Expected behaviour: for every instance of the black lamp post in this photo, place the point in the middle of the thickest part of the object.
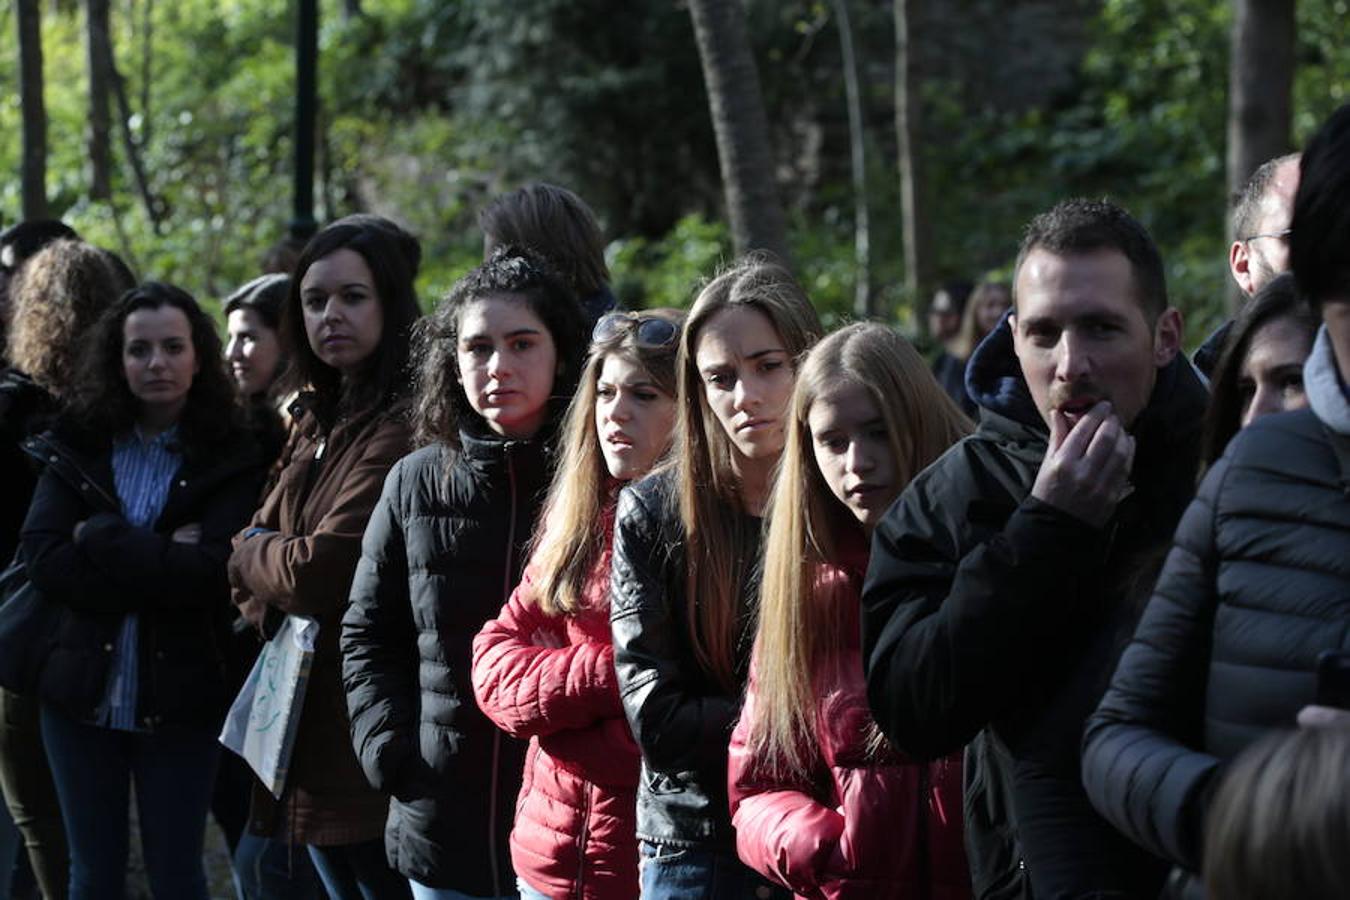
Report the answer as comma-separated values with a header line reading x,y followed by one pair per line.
x,y
302,224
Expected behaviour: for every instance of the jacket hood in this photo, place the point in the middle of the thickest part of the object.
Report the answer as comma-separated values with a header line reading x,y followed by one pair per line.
x,y
1322,380
994,380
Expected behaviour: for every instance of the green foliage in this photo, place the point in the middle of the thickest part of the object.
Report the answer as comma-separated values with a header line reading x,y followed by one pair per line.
x,y
668,271
1146,127
429,108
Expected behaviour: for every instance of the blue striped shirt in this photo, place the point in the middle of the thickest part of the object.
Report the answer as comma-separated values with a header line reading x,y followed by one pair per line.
x,y
143,472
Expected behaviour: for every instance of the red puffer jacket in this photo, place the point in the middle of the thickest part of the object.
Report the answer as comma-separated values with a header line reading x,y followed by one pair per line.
x,y
551,679
861,827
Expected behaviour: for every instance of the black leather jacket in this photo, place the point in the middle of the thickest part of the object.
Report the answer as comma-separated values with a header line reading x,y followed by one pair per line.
x,y
680,717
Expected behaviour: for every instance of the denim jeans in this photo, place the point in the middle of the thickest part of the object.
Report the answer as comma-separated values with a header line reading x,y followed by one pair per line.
x,y
694,873
94,768
529,893
423,892
358,872
9,851
268,869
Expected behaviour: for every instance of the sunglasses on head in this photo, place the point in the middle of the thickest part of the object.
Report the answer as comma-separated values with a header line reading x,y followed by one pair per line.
x,y
651,332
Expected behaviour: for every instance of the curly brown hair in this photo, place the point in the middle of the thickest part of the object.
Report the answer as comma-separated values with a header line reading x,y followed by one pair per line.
x,y
56,298
441,406
104,406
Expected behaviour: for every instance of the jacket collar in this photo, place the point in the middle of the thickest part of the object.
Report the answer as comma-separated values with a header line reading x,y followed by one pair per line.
x,y
1322,380
482,449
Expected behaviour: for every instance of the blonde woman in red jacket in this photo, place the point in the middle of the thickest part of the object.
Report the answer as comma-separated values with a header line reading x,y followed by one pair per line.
x,y
544,669
821,803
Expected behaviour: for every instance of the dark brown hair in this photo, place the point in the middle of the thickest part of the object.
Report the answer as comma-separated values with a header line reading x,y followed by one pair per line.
x,y
104,406
392,255
56,298
441,405
1280,821
1278,299
1083,226
554,223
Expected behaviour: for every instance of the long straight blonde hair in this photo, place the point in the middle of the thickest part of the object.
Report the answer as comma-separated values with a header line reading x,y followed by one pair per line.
x,y
719,556
800,626
573,530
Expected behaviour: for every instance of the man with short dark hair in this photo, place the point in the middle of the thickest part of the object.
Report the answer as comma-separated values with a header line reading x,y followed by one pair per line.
x,y
1001,584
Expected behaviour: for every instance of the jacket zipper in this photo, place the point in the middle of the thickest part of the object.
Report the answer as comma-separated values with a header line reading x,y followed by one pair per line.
x,y
496,733
585,836
925,848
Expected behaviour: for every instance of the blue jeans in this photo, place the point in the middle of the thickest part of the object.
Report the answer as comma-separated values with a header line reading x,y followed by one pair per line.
x,y
94,768
694,873
9,851
358,872
529,893
423,892
267,869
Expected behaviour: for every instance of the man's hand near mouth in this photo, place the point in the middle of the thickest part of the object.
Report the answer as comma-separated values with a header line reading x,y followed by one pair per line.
x,y
1086,470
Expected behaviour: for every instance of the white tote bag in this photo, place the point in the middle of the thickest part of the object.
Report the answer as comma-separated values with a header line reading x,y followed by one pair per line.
x,y
262,722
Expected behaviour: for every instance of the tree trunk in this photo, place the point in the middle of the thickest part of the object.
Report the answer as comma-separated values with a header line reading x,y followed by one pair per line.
x,y
1260,88
741,127
33,178
153,205
914,211
863,306
98,49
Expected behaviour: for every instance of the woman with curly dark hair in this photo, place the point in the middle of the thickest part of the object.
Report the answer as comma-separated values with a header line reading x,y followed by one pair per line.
x,y
55,299
146,478
346,326
497,364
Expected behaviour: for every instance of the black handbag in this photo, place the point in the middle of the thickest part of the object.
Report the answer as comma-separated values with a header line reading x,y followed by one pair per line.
x,y
28,626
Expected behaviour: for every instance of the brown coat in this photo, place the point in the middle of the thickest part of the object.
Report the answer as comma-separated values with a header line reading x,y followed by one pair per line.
x,y
315,515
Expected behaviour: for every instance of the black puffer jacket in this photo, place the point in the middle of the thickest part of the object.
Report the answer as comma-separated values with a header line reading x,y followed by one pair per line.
x,y
441,555
682,719
1256,586
180,590
985,610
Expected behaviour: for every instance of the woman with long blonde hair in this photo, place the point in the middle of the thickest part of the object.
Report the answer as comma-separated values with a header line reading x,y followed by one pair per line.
x,y
686,541
821,804
544,668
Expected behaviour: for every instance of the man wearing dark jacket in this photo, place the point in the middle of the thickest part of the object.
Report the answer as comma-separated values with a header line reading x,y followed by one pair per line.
x,y
1000,587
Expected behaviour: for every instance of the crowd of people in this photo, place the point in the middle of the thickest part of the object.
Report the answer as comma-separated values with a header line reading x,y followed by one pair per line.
x,y
688,604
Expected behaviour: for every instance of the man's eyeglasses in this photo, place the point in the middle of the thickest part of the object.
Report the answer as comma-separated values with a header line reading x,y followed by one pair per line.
x,y
651,332
1282,235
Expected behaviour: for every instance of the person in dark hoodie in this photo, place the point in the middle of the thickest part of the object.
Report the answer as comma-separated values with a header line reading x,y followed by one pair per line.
x,y
1257,585
996,602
